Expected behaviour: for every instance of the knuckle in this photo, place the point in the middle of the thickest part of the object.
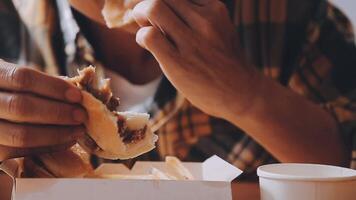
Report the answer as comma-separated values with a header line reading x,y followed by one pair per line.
x,y
62,135
66,114
149,35
206,26
18,105
63,113
154,9
57,138
4,155
21,77
20,136
219,7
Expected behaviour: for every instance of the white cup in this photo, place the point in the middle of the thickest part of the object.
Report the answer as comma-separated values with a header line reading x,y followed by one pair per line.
x,y
306,182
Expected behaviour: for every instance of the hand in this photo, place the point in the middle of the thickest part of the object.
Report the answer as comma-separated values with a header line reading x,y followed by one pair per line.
x,y
37,112
193,41
195,44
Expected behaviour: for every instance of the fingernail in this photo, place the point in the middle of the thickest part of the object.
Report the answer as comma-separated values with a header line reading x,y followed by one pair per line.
x,y
79,115
73,95
140,35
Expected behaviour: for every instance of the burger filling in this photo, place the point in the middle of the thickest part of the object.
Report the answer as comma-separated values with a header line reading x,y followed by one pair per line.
x,y
129,136
88,81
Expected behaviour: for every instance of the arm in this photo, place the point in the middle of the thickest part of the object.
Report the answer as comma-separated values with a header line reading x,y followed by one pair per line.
x,y
324,82
205,64
291,127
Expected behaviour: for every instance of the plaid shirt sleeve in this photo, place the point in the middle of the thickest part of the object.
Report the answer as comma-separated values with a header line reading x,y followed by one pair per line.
x,y
327,69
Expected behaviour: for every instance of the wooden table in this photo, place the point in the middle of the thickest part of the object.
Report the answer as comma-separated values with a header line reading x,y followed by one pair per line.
x,y
240,191
245,191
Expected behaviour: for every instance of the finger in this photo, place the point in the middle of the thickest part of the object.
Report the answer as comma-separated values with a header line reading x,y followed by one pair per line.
x,y
30,136
187,11
164,52
157,13
208,19
24,79
34,170
12,152
131,3
202,2
18,107
199,18
153,40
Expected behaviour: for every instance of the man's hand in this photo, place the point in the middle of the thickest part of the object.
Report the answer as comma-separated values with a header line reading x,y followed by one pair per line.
x,y
194,42
37,112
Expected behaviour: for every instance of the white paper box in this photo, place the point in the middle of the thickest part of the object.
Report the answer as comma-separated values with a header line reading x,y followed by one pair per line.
x,y
213,181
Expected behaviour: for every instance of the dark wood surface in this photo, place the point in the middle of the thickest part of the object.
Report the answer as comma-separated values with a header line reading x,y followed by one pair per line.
x,y
245,191
240,191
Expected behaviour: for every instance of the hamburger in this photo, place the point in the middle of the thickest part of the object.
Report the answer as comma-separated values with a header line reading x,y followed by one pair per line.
x,y
109,134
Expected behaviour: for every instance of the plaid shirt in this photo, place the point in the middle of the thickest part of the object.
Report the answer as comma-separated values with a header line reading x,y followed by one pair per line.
x,y
305,45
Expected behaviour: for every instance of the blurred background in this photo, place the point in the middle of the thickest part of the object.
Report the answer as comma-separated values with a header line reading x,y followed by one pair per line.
x,y
349,8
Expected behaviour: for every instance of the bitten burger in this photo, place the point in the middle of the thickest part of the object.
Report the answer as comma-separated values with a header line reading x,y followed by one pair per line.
x,y
110,134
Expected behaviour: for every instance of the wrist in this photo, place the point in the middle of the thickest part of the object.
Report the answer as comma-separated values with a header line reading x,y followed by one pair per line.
x,y
248,96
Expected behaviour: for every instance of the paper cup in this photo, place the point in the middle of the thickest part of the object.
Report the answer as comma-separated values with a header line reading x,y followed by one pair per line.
x,y
307,182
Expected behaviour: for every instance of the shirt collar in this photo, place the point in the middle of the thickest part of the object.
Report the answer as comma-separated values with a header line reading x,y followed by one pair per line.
x,y
68,24
78,50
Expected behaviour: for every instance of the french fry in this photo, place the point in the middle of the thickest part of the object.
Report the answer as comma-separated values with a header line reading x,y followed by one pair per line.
x,y
175,170
127,177
158,174
178,169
